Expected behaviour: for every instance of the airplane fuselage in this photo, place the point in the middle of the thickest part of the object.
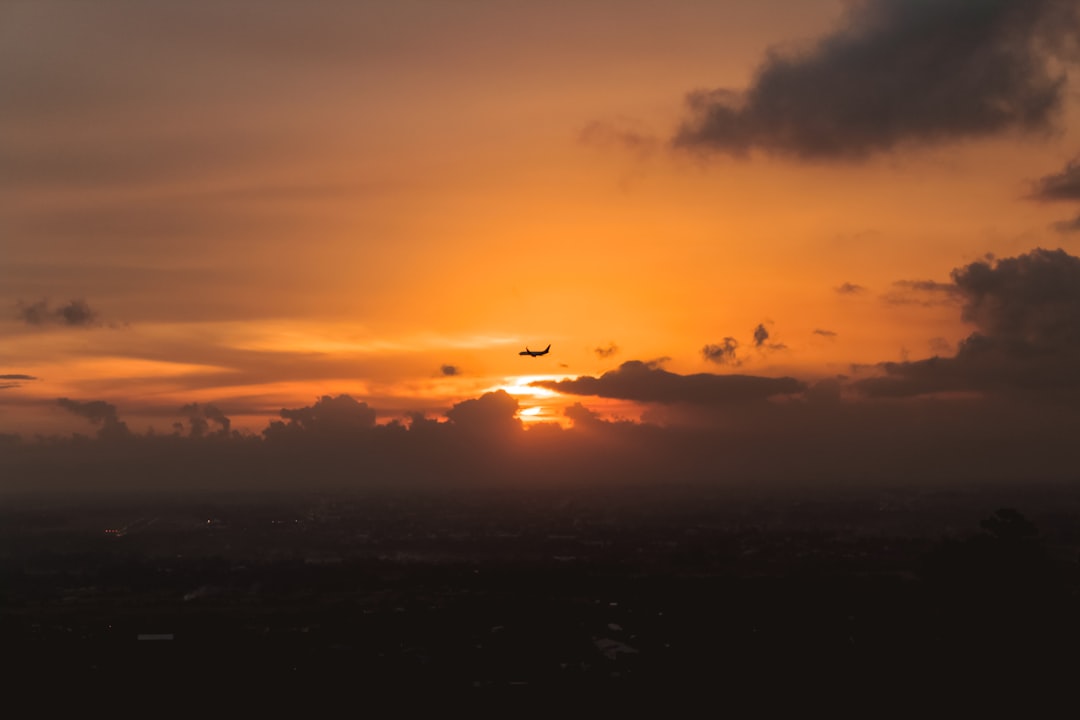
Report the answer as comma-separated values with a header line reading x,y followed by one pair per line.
x,y
535,353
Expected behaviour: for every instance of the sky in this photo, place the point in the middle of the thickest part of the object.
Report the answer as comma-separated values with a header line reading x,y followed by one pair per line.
x,y
712,211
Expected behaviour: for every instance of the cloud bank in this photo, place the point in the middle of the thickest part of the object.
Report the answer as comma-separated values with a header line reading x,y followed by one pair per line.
x,y
897,73
1026,313
635,380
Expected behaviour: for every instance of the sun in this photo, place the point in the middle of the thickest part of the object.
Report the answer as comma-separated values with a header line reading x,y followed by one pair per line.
x,y
537,404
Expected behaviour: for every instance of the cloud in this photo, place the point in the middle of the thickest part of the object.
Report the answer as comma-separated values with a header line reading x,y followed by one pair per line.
x,y
100,413
492,412
605,352
1026,313
723,353
761,340
850,289
940,345
1064,185
635,380
200,417
329,417
450,370
897,73
1068,226
824,333
76,313
760,335
14,380
921,292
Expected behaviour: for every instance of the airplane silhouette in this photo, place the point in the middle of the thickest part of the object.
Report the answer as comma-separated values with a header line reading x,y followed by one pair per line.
x,y
534,353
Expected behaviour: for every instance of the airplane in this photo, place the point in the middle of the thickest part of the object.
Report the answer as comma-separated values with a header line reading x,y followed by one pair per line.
x,y
534,353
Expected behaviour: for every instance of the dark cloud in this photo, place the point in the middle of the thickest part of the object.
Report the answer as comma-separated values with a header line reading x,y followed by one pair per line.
x,y
492,412
605,352
14,380
635,380
921,292
1064,185
100,413
1033,298
201,415
1026,313
450,370
1068,226
581,415
723,353
850,289
940,345
761,340
895,73
76,313
760,335
329,417
824,333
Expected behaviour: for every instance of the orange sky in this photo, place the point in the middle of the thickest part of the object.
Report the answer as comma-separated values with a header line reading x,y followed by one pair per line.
x,y
263,203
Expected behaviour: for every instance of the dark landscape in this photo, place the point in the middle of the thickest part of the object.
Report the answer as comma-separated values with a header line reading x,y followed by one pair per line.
x,y
549,589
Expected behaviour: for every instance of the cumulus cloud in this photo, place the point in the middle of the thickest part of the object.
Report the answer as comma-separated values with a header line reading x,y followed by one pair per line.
x,y
722,353
328,417
491,412
76,313
98,412
635,380
897,73
201,415
1026,313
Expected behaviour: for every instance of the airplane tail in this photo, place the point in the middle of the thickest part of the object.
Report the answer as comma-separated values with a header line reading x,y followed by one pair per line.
x,y
548,347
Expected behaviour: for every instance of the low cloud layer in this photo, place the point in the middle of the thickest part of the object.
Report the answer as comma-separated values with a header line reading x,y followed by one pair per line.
x,y
635,380
897,73
330,417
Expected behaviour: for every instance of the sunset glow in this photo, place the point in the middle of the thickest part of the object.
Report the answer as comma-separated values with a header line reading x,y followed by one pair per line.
x,y
229,223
